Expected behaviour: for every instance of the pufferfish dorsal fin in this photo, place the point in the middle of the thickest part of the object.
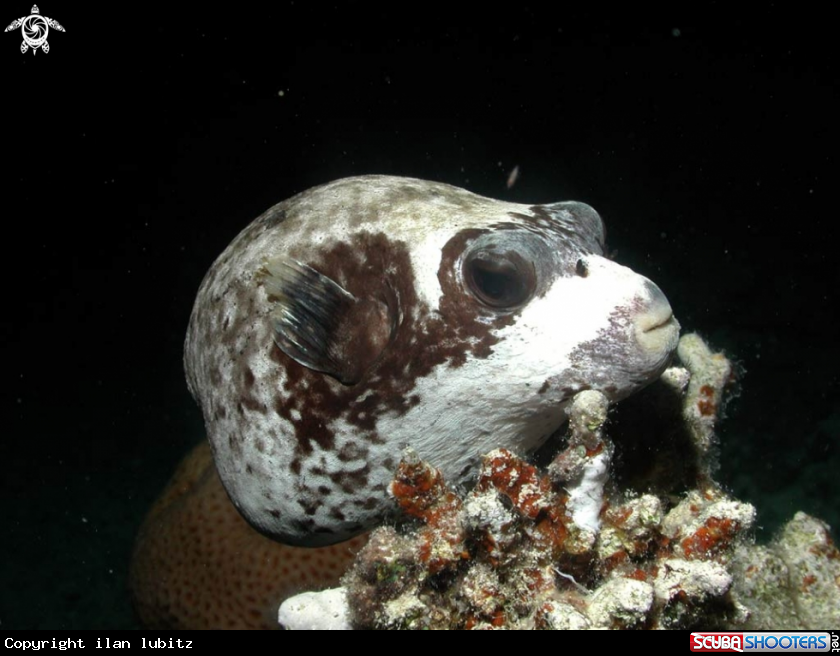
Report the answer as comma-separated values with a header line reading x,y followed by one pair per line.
x,y
323,326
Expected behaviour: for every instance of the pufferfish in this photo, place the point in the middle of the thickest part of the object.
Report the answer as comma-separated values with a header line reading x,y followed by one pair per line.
x,y
376,313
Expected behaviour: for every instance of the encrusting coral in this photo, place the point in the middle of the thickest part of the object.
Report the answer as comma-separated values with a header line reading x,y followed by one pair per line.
x,y
198,565
607,536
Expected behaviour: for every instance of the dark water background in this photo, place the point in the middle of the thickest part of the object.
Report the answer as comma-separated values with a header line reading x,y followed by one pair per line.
x,y
143,142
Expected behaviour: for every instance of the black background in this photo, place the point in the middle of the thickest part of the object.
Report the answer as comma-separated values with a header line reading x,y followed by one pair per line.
x,y
139,146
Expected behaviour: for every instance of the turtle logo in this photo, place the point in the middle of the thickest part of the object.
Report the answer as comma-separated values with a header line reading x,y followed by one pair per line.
x,y
34,29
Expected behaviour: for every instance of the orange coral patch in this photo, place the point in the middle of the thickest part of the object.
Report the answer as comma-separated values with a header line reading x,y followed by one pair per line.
x,y
711,538
517,480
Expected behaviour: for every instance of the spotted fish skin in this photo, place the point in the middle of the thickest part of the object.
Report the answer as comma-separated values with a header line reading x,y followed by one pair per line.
x,y
375,313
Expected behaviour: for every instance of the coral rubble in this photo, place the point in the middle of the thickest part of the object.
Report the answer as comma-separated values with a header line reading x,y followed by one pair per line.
x,y
585,543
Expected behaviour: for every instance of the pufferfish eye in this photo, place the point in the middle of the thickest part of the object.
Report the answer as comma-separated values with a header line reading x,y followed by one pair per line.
x,y
500,280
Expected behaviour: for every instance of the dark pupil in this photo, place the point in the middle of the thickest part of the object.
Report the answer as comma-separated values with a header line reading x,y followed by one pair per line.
x,y
498,283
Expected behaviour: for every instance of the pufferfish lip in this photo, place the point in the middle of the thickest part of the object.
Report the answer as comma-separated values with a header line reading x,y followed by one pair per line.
x,y
655,323
657,332
656,313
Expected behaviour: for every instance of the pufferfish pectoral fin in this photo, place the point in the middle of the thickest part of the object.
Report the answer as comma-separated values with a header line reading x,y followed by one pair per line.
x,y
323,326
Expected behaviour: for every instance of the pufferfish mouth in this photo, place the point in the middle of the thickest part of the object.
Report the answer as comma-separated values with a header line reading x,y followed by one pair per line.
x,y
656,312
651,322
657,335
657,331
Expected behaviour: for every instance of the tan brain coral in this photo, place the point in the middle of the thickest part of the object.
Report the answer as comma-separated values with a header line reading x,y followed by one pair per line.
x,y
198,565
